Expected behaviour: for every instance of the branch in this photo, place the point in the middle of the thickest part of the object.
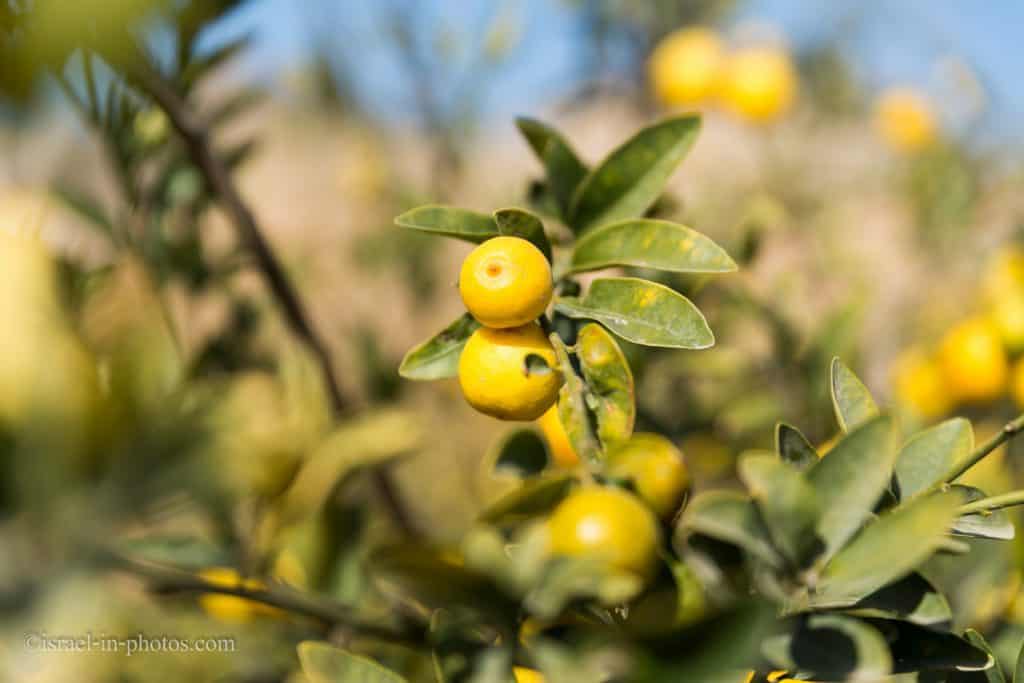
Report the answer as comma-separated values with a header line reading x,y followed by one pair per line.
x,y
324,610
1010,430
984,505
197,140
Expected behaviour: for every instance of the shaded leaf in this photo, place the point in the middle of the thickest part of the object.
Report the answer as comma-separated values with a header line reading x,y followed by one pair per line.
x,y
609,382
536,496
919,648
851,400
992,674
851,478
632,177
912,598
563,168
523,224
649,243
994,524
451,222
886,550
787,502
438,357
793,447
730,517
832,647
929,456
566,579
324,663
642,312
521,452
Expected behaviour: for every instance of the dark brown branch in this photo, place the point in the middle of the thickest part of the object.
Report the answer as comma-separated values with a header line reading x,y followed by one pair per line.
x,y
197,140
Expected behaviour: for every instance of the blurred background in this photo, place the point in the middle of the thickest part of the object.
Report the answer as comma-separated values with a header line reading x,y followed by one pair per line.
x,y
861,161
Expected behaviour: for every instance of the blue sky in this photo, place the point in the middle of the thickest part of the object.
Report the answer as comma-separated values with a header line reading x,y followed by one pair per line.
x,y
887,41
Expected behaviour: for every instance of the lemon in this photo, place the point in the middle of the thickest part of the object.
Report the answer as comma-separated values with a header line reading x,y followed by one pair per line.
x,y
524,675
558,441
231,608
905,120
1005,274
1008,316
494,378
921,385
607,524
505,282
759,83
974,361
684,67
656,468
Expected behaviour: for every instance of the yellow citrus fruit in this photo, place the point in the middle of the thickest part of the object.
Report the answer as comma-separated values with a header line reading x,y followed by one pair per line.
x,y
505,282
920,384
684,68
1005,274
524,675
759,84
607,524
1008,316
558,441
656,468
494,377
974,361
231,608
905,120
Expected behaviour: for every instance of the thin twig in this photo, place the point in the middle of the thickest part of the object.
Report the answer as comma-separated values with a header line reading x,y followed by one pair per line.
x,y
993,503
1009,430
197,140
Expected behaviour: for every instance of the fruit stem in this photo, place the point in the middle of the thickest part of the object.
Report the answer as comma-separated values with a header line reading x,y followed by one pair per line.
x,y
1009,430
993,503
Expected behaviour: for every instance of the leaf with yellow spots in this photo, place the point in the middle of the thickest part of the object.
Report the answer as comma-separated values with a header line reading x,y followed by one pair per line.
x,y
572,407
649,243
642,312
609,383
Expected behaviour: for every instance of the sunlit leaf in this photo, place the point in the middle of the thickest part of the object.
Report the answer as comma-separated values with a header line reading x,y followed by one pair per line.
x,y
649,243
573,410
450,222
438,357
929,456
609,383
913,598
994,524
324,663
850,398
642,312
633,176
523,224
535,497
730,517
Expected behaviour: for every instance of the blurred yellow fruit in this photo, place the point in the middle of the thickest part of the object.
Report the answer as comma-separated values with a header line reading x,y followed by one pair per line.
x,y
656,468
494,377
151,126
608,524
974,361
905,120
1007,314
1005,274
231,608
505,282
524,675
685,66
558,441
1017,383
920,384
759,84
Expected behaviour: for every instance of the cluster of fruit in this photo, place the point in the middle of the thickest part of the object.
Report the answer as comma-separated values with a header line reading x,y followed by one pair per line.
x,y
691,67
978,361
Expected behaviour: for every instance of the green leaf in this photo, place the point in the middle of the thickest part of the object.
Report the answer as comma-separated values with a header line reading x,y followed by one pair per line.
x,y
566,579
912,598
572,407
520,223
788,504
832,647
438,357
451,222
730,517
850,398
929,456
324,663
793,447
521,452
992,674
919,648
886,550
609,383
563,168
1018,676
535,497
851,478
649,243
642,312
633,176
86,207
993,524
370,441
